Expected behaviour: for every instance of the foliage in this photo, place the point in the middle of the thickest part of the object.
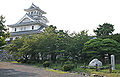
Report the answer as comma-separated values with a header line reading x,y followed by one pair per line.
x,y
13,48
21,60
106,73
3,31
68,65
115,37
59,46
77,44
51,44
117,66
46,64
57,71
68,62
97,48
104,30
14,62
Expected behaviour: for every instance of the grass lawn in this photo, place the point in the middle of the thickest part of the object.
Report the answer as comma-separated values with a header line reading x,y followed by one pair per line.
x,y
105,72
115,73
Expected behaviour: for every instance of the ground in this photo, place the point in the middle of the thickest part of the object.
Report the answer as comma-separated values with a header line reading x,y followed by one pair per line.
x,y
19,70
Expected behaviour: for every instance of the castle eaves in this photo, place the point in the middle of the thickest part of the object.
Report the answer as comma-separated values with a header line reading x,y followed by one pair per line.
x,y
28,24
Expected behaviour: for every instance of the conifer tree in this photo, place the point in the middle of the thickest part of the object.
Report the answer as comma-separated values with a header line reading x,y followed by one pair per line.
x,y
104,30
3,31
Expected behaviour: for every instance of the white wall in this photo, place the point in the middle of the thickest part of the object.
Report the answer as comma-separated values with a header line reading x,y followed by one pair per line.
x,y
36,26
25,28
26,20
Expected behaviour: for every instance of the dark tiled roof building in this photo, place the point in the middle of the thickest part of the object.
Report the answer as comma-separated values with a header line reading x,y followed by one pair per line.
x,y
31,23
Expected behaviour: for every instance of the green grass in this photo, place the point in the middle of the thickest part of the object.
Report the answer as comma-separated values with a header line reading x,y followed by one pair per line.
x,y
57,71
13,61
106,72
56,66
115,73
117,66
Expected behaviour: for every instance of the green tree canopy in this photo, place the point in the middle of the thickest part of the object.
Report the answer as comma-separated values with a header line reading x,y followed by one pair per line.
x,y
97,48
115,37
104,30
77,44
3,31
14,47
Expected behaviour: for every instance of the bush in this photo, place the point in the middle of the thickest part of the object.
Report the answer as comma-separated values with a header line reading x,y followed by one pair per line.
x,y
22,60
67,67
31,62
28,62
68,62
19,60
46,64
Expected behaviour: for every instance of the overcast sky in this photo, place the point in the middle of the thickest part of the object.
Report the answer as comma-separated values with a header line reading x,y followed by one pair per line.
x,y
72,15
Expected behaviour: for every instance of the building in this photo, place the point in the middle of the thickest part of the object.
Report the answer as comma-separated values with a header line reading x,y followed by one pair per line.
x,y
33,22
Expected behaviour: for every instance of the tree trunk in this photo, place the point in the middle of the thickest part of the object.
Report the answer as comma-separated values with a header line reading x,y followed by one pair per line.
x,y
53,57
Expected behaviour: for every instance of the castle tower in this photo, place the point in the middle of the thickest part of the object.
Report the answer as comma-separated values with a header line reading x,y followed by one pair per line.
x,y
33,22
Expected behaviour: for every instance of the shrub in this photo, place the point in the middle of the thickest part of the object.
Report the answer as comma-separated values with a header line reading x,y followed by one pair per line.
x,y
22,60
68,62
67,67
19,60
28,61
46,64
31,62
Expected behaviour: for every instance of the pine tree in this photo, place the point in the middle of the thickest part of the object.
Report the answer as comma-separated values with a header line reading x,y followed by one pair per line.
x,y
104,30
3,31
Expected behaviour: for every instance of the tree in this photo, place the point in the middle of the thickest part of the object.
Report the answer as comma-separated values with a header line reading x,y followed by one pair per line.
x,y
49,41
51,44
14,46
77,44
98,48
34,46
115,37
63,43
3,31
104,30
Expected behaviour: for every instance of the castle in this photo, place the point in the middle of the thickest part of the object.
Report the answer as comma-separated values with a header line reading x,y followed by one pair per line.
x,y
33,22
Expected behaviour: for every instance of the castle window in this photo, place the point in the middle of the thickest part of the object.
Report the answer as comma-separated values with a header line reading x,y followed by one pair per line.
x,y
15,29
24,27
35,12
21,28
32,27
31,12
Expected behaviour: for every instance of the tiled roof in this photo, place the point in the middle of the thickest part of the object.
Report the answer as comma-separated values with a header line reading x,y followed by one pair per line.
x,y
34,7
28,23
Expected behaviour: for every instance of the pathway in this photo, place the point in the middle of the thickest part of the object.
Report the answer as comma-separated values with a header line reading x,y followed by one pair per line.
x,y
19,70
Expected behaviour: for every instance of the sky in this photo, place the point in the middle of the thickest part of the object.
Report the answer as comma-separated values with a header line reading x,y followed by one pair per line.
x,y
72,15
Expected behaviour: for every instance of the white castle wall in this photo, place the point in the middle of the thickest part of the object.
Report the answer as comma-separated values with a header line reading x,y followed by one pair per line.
x,y
25,28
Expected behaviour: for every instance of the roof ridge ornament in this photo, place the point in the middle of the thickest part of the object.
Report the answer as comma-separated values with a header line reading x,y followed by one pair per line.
x,y
34,7
34,15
